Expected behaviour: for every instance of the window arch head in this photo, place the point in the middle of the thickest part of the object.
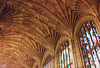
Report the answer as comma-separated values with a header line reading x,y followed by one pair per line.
x,y
65,55
37,66
90,45
48,62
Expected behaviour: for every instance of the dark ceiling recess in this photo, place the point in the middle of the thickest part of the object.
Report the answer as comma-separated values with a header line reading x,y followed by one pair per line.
x,y
6,10
0,29
1,3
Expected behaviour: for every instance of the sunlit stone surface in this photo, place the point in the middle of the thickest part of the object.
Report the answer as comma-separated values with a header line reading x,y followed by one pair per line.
x,y
32,30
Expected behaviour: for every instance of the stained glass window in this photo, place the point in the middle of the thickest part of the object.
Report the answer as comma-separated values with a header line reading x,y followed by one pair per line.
x,y
48,62
65,56
37,66
90,45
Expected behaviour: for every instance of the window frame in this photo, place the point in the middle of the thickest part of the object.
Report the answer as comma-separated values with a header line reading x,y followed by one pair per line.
x,y
82,55
47,61
62,50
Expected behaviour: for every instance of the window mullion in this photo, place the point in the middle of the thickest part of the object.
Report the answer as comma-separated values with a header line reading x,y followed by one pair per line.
x,y
69,55
81,40
66,56
86,52
60,60
96,41
89,41
86,29
63,59
93,45
94,33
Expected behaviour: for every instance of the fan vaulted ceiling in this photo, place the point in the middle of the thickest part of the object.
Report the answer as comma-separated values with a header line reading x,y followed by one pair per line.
x,y
28,28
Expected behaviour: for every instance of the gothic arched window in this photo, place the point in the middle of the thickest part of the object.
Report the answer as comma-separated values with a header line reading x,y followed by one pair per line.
x,y
90,45
65,56
37,66
48,62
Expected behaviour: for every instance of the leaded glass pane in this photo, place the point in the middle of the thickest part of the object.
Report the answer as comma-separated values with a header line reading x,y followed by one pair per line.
x,y
48,63
90,42
65,56
86,61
